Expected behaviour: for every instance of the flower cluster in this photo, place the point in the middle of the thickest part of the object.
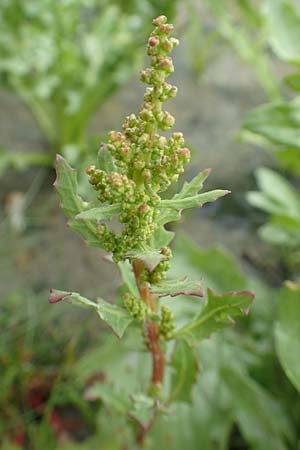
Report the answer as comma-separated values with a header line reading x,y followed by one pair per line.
x,y
136,307
145,162
167,325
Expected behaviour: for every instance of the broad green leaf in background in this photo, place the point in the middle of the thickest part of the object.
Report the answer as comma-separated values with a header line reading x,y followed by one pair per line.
x,y
128,277
116,318
260,419
282,22
218,267
279,122
186,368
287,332
217,313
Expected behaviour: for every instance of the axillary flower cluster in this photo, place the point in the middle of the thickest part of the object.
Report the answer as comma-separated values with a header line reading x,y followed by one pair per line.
x,y
146,163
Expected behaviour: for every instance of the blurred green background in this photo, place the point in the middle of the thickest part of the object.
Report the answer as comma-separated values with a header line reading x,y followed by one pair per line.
x,y
69,73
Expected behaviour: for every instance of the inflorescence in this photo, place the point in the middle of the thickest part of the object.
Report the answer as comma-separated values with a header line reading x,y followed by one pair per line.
x,y
146,163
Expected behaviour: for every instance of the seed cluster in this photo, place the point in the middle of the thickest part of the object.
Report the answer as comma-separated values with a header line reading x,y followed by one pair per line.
x,y
136,307
146,163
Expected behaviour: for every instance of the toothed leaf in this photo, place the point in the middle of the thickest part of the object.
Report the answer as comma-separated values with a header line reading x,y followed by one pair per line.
x,y
178,287
192,188
72,203
217,313
194,201
116,318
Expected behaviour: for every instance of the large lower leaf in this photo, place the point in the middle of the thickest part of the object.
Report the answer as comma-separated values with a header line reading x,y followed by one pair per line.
x,y
116,318
287,332
217,313
185,365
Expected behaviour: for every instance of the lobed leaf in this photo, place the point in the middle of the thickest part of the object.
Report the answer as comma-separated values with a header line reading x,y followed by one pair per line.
x,y
116,318
176,287
72,203
217,313
194,201
185,365
192,188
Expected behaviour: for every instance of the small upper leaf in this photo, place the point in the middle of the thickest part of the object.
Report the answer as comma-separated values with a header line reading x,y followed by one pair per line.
x,y
217,313
189,189
149,256
193,201
105,160
72,203
173,288
103,213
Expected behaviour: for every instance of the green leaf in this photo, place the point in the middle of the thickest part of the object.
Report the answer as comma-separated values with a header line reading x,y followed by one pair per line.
x,y
287,332
142,410
217,266
217,313
149,256
194,201
105,160
279,122
161,238
116,318
258,415
167,215
176,287
103,213
57,296
192,188
282,22
72,203
279,190
112,399
293,81
185,365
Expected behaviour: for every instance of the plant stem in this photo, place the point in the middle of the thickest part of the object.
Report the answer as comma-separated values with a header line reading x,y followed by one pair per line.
x,y
152,329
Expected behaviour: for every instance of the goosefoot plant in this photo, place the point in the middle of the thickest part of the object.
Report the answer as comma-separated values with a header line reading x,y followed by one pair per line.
x,y
133,169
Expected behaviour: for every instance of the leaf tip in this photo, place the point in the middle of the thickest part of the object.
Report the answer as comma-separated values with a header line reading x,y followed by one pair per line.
x,y
54,297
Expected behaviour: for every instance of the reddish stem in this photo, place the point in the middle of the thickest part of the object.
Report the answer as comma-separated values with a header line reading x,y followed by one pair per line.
x,y
158,357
